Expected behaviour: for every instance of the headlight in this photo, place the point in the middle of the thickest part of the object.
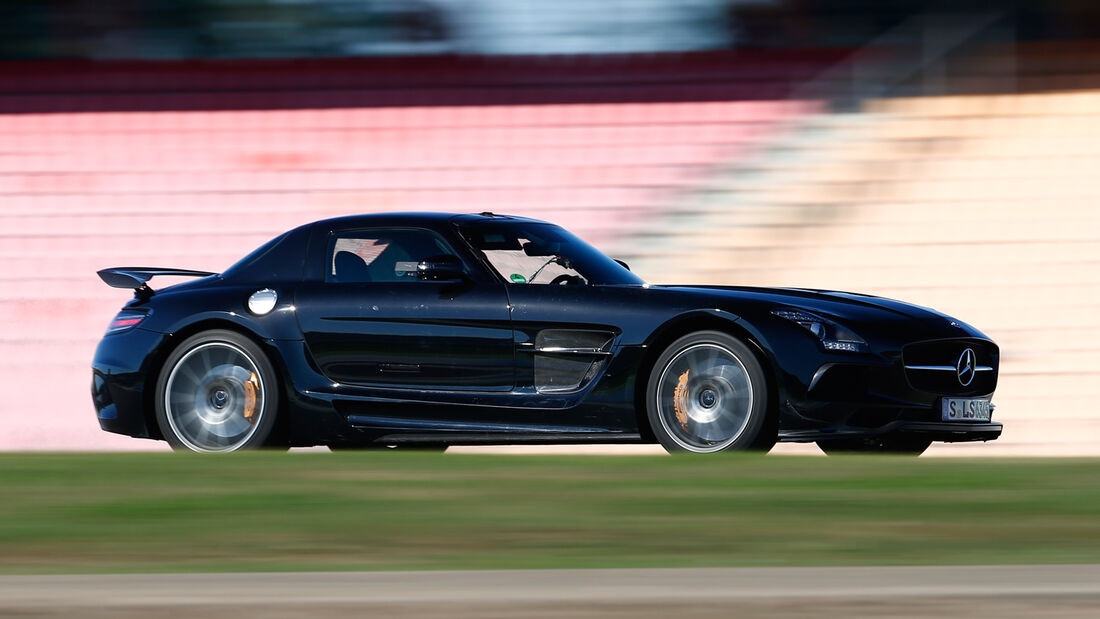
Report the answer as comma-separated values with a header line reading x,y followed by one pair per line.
x,y
832,335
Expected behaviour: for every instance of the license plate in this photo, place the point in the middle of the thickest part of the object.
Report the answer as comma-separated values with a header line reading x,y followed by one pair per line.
x,y
965,409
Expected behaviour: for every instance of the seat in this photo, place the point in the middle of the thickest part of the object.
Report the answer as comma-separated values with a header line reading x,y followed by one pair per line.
x,y
349,267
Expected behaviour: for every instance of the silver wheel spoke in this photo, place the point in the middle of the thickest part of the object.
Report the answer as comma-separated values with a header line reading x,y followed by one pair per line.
x,y
236,425
718,429
191,374
734,375
204,359
202,434
190,420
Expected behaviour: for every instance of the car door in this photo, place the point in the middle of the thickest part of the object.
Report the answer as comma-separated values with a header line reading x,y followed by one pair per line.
x,y
566,322
370,322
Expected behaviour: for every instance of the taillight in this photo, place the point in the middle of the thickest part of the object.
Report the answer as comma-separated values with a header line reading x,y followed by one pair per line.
x,y
125,320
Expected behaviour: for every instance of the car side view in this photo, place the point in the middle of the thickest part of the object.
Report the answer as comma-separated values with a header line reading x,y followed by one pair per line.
x,y
423,330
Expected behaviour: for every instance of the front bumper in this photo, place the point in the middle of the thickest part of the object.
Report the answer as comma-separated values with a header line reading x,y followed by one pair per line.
x,y
882,394
937,431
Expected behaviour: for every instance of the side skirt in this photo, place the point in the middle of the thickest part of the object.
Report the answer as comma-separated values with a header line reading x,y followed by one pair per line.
x,y
541,438
390,430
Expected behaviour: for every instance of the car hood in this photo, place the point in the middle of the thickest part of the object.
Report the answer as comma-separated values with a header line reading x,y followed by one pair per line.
x,y
831,303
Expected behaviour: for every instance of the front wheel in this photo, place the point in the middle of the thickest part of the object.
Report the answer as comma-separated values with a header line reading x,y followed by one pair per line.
x,y
889,444
217,392
707,393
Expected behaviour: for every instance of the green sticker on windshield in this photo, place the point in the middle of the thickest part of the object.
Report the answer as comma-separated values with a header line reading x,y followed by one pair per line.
x,y
517,278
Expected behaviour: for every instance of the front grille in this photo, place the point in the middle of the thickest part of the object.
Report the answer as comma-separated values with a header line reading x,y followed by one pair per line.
x,y
932,366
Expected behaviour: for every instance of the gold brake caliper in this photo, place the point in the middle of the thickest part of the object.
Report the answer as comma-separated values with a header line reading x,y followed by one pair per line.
x,y
250,389
679,400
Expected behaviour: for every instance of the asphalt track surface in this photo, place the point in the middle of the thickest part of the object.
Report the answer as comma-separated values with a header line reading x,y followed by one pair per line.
x,y
972,591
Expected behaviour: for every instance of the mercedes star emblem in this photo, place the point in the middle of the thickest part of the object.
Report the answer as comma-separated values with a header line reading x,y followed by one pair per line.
x,y
965,367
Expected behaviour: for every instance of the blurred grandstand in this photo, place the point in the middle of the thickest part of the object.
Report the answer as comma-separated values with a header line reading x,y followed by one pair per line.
x,y
945,157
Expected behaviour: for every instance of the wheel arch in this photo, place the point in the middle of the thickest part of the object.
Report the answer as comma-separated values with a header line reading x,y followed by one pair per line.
x,y
691,322
175,339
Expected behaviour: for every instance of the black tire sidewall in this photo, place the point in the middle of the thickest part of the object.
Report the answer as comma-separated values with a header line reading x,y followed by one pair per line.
x,y
267,374
758,415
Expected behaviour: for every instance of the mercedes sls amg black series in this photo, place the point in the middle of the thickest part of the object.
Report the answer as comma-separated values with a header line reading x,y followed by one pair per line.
x,y
424,330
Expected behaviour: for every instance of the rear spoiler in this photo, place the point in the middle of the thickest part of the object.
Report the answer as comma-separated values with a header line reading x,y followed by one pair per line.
x,y
136,277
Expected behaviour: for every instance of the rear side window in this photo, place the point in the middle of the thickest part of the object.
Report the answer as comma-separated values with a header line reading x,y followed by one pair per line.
x,y
280,259
381,254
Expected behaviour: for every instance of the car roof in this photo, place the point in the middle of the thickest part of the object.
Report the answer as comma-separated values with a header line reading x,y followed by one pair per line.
x,y
415,218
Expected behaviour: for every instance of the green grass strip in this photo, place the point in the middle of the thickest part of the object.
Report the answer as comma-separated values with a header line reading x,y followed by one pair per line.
x,y
159,512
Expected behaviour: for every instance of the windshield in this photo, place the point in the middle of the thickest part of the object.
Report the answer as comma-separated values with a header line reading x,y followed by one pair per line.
x,y
538,253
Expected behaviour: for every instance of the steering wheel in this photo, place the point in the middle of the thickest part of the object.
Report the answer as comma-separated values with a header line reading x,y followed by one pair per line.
x,y
566,279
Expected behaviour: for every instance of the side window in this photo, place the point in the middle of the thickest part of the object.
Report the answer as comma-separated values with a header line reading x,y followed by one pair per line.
x,y
381,254
526,257
531,262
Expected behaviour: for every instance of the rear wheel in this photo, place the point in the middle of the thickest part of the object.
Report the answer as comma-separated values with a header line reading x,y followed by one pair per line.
x,y
708,393
217,392
899,444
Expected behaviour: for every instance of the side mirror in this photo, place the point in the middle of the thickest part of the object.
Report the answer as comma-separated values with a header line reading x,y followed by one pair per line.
x,y
442,267
624,265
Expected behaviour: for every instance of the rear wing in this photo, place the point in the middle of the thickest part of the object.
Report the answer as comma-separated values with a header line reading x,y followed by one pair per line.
x,y
136,277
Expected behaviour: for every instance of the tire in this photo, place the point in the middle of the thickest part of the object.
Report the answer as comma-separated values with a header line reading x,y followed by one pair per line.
x,y
708,393
897,444
217,392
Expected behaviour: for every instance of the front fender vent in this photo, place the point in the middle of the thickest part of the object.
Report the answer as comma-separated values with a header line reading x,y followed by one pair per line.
x,y
566,360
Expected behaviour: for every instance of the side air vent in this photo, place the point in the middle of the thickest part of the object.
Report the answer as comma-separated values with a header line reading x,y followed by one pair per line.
x,y
566,360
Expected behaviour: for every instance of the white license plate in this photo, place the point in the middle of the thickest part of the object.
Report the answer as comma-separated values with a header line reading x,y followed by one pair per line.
x,y
965,409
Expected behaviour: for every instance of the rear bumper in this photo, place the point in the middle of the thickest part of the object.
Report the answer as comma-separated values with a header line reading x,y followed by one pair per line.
x,y
948,432
119,381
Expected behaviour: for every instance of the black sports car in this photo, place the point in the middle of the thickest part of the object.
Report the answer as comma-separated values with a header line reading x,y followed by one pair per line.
x,y
423,330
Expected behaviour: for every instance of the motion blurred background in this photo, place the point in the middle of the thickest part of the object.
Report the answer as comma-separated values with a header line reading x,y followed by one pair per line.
x,y
941,152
